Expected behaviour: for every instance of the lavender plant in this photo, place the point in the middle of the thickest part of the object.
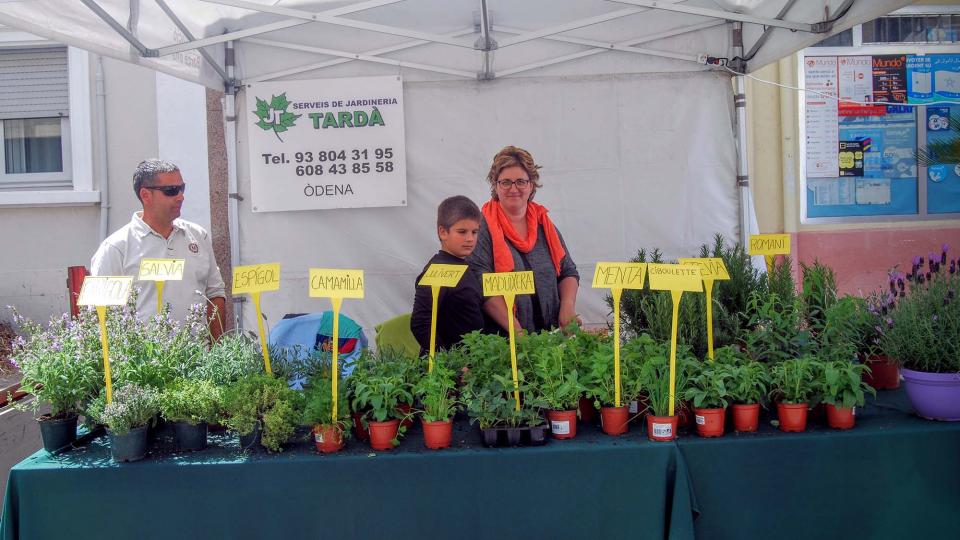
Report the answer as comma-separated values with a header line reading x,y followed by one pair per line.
x,y
132,406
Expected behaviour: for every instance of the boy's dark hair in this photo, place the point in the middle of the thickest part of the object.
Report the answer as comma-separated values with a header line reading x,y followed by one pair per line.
x,y
455,208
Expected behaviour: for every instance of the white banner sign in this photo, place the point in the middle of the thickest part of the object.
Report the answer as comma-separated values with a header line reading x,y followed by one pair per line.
x,y
821,117
330,143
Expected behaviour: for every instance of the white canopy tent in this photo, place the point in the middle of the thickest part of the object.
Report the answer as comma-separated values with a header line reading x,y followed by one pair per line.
x,y
627,103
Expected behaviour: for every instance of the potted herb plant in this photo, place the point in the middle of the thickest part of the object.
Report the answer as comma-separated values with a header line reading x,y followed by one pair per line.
x,y
556,385
328,435
262,408
709,390
661,426
191,404
436,390
793,383
380,396
60,366
883,372
842,389
923,334
126,418
750,382
601,389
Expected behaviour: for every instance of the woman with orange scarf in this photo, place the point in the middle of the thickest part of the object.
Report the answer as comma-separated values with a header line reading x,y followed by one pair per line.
x,y
516,234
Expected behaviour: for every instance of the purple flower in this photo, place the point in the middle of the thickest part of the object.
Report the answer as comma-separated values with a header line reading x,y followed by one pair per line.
x,y
944,247
889,322
900,284
918,261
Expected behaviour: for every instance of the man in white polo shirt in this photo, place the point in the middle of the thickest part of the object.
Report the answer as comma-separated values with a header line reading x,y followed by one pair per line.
x,y
157,232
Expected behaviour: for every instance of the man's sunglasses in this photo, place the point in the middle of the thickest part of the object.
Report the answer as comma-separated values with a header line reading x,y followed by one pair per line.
x,y
169,191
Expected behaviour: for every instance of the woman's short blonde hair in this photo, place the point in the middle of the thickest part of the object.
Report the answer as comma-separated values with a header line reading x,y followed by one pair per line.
x,y
511,156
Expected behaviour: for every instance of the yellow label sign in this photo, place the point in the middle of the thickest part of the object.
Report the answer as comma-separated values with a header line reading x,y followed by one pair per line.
x,y
335,283
770,244
161,270
105,290
620,275
443,275
675,277
256,278
501,283
710,267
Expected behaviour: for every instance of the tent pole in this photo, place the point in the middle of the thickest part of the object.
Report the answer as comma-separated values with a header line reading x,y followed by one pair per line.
x,y
743,167
230,134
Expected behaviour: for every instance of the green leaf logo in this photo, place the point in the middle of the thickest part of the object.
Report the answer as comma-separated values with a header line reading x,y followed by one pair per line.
x,y
274,115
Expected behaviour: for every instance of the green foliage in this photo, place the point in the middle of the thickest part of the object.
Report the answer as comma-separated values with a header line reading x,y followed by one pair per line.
x,y
922,330
841,384
379,396
711,386
191,400
634,354
318,403
779,281
493,404
750,382
775,333
655,375
818,295
233,357
556,384
436,390
260,398
846,330
599,380
60,365
795,380
132,407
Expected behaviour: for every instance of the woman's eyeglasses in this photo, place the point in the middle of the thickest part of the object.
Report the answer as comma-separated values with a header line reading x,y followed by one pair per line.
x,y
169,191
507,184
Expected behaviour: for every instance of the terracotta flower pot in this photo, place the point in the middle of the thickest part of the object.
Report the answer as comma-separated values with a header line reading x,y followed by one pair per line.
x,y
792,416
710,422
328,438
746,417
358,430
840,417
662,428
563,424
884,374
437,435
614,420
587,411
382,434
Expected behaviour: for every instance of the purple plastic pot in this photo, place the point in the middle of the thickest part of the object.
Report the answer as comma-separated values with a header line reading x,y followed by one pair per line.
x,y
934,395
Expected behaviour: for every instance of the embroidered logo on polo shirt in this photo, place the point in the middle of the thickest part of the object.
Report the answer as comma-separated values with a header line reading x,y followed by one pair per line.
x,y
194,247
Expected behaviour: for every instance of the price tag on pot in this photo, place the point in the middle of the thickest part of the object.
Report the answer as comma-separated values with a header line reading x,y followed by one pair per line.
x,y
662,430
560,427
335,284
254,279
701,421
509,285
437,276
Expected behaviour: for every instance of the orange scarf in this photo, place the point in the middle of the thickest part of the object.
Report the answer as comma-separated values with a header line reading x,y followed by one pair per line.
x,y
501,229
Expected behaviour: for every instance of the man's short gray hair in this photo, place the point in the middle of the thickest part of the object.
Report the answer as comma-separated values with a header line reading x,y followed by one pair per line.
x,y
147,171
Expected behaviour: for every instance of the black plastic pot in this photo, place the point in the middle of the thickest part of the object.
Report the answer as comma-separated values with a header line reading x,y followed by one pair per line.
x,y
58,433
251,440
538,435
513,436
131,446
489,436
190,437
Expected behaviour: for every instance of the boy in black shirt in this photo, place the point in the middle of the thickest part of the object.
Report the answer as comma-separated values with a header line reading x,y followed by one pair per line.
x,y
459,309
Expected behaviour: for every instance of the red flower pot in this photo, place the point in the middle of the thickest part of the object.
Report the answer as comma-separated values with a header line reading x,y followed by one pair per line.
x,y
662,428
328,438
563,424
437,435
840,417
884,374
746,417
614,420
684,414
407,411
358,430
710,422
792,416
382,434
587,411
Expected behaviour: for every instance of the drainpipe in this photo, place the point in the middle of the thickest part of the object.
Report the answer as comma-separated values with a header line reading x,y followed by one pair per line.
x,y
102,153
230,136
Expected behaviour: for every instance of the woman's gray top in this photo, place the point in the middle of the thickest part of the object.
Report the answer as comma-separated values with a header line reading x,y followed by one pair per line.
x,y
544,275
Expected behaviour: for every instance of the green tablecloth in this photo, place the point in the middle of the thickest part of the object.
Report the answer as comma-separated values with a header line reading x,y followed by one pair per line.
x,y
591,487
893,476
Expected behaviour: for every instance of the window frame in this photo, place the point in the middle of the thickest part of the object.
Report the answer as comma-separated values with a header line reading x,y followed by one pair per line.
x,y
861,49
76,139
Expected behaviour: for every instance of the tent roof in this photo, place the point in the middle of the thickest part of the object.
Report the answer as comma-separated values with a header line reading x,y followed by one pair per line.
x,y
436,39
